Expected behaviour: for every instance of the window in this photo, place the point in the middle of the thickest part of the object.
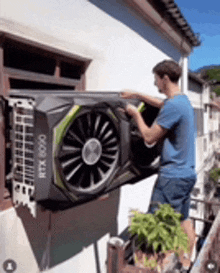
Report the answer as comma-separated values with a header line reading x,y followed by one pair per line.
x,y
29,67
212,113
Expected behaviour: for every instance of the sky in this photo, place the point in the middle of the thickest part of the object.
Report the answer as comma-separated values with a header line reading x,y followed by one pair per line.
x,y
204,18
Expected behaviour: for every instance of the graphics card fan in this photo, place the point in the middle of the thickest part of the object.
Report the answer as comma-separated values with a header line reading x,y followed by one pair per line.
x,y
88,151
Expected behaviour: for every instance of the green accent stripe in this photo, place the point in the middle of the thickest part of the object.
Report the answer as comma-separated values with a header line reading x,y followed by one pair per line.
x,y
61,128
141,107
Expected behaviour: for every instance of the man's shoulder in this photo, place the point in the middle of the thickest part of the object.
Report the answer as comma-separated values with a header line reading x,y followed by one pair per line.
x,y
179,106
171,104
179,102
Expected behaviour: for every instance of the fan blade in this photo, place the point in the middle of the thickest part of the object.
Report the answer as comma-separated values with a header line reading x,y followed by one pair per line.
x,y
108,159
101,173
71,149
111,150
92,180
81,129
103,129
73,172
75,137
107,135
108,142
89,124
97,124
105,155
70,161
81,179
88,181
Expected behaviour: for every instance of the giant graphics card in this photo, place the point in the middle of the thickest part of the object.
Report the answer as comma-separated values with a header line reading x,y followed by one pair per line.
x,y
68,147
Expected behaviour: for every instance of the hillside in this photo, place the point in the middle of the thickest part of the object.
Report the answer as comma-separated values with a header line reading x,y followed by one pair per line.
x,y
211,74
206,67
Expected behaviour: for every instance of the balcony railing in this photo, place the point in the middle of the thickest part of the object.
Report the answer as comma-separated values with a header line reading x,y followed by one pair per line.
x,y
208,259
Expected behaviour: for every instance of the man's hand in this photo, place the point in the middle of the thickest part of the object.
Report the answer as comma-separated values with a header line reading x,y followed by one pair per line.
x,y
130,94
132,110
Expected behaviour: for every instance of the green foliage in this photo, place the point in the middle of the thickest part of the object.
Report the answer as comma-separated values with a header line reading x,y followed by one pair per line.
x,y
214,174
161,230
217,90
213,74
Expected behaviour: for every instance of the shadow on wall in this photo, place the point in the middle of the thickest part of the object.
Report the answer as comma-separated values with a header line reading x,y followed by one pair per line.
x,y
70,230
121,11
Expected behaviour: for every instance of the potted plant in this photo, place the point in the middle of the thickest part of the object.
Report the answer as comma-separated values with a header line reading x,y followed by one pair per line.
x,y
158,236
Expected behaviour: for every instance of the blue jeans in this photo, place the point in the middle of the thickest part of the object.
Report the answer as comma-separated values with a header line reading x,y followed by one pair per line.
x,y
174,191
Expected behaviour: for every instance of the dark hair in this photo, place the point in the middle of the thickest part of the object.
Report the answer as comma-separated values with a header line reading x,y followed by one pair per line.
x,y
169,68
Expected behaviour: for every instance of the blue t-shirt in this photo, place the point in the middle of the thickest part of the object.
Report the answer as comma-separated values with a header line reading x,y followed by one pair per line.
x,y
178,153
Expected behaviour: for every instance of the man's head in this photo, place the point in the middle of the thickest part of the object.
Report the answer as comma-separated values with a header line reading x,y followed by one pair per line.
x,y
166,72
169,68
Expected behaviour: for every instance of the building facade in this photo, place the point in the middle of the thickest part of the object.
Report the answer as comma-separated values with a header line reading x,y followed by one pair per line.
x,y
207,144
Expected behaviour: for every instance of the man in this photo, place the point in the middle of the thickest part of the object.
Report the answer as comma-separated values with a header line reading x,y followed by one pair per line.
x,y
175,123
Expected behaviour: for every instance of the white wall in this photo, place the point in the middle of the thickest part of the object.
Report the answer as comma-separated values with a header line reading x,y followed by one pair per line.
x,y
15,243
123,49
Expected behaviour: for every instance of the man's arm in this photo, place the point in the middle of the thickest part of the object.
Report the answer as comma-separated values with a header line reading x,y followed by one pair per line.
x,y
149,134
148,99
